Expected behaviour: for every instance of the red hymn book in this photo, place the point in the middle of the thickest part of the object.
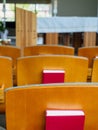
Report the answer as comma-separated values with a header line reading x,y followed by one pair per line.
x,y
53,76
65,120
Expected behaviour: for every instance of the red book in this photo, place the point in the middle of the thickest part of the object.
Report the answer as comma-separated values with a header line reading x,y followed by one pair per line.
x,y
53,76
65,120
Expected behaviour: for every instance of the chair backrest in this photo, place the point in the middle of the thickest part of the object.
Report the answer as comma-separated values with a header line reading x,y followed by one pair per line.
x,y
29,68
6,71
14,53
10,51
26,106
95,70
5,78
89,52
48,49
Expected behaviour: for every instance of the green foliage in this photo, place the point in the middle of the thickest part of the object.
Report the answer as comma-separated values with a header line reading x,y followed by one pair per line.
x,y
2,28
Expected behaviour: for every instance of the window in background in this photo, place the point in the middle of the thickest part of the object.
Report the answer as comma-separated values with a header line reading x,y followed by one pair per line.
x,y
42,10
10,12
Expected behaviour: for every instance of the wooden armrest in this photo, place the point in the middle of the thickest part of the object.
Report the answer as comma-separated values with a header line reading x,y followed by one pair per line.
x,y
2,94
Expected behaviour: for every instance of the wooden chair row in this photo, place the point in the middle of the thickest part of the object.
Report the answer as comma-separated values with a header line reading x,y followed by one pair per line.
x,y
29,70
26,105
15,52
89,52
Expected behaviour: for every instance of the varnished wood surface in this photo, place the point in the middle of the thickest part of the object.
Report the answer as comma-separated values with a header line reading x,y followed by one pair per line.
x,y
6,78
48,49
29,68
26,106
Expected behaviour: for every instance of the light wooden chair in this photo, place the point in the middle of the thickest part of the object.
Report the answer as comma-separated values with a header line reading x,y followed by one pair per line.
x,y
14,53
5,78
89,52
29,69
95,70
48,49
26,106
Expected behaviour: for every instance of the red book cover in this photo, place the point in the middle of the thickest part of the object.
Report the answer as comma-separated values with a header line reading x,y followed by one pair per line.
x,y
65,120
53,76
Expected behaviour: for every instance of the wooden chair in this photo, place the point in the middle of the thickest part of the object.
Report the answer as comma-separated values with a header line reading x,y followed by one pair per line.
x,y
14,53
89,52
5,78
29,69
48,49
95,70
26,106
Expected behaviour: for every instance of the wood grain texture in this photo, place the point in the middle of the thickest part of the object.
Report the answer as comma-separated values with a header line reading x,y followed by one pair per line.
x,y
26,106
